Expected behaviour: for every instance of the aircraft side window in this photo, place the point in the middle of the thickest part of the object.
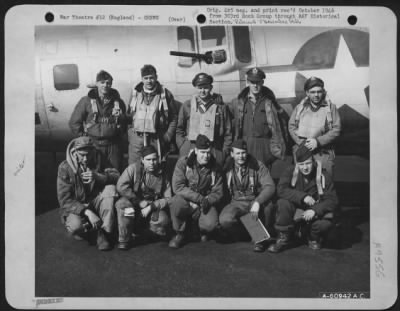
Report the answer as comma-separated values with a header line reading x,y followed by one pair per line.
x,y
241,36
212,36
186,43
66,77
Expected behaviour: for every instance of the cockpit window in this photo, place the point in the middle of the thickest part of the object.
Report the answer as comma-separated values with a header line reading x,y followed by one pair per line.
x,y
212,36
241,36
186,43
66,77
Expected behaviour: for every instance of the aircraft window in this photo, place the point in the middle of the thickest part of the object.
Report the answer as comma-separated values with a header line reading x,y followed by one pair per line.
x,y
241,37
212,36
66,77
186,44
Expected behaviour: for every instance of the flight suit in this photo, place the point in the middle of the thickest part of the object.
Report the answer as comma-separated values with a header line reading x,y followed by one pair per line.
x,y
92,116
137,186
75,197
192,183
251,183
154,116
214,122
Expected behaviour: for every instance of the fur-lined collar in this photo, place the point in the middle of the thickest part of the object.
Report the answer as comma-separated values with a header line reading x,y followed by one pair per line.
x,y
192,161
157,89
251,162
265,93
113,93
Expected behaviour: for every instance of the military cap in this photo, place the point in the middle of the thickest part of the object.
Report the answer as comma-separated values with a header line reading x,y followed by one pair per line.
x,y
146,150
83,142
202,79
255,74
239,144
148,70
312,82
103,75
303,153
202,142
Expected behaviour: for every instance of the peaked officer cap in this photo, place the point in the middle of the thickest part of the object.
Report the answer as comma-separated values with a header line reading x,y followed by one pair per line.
x,y
148,70
103,75
202,79
312,82
202,142
255,74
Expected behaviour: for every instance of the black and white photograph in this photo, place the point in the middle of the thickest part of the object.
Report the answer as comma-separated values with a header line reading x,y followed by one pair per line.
x,y
200,157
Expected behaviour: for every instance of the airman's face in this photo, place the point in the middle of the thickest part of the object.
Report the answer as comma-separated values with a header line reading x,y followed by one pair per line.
x,y
239,156
306,166
84,156
103,86
203,156
150,162
255,87
204,90
316,94
149,81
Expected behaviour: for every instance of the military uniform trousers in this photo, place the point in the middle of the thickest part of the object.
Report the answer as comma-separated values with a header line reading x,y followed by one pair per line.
x,y
102,205
137,223
181,211
259,148
284,220
136,143
110,151
229,218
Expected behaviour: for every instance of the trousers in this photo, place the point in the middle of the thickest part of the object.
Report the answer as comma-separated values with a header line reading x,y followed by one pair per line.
x,y
284,220
102,205
181,211
229,218
136,223
111,154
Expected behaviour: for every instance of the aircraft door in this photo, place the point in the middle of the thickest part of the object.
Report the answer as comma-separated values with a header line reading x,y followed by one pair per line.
x,y
63,82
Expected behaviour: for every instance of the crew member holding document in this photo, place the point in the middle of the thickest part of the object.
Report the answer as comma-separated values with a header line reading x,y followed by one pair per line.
x,y
308,189
251,188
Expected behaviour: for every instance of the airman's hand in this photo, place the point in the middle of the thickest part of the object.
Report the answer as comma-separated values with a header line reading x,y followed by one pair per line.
x,y
146,211
309,200
255,208
311,144
93,219
309,214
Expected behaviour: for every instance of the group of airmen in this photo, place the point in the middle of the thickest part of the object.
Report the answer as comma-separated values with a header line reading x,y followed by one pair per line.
x,y
226,153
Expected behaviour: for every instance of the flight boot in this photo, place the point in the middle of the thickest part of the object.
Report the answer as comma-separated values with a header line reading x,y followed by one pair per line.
x,y
177,240
282,242
102,241
259,247
314,244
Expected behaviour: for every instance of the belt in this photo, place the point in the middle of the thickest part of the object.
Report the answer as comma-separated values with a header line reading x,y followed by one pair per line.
x,y
103,141
142,134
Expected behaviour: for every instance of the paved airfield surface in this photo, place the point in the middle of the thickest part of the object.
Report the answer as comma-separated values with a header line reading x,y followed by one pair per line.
x,y
69,268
